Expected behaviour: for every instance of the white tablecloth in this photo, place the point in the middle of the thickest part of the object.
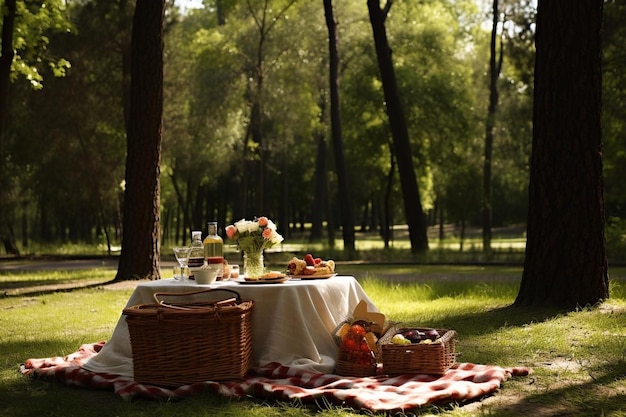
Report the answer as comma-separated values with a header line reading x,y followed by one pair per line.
x,y
292,322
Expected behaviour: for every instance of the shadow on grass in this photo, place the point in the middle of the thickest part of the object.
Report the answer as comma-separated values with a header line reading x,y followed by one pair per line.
x,y
599,394
482,323
36,288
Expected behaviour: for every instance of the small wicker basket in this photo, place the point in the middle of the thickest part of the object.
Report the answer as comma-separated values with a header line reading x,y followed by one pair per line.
x,y
360,359
347,368
175,344
417,358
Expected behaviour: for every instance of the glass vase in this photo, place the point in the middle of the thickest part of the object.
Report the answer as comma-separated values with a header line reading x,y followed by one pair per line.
x,y
253,264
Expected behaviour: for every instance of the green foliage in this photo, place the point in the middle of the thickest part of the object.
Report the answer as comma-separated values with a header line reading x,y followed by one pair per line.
x,y
35,23
66,148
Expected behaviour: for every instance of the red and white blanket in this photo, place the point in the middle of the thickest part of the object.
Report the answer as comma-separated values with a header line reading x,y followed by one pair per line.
x,y
464,382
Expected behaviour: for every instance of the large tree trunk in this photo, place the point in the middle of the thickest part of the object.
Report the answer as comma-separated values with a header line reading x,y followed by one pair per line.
x,y
6,59
566,263
140,238
345,199
402,145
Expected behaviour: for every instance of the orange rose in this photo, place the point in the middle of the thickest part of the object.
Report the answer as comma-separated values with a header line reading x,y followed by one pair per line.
x,y
230,231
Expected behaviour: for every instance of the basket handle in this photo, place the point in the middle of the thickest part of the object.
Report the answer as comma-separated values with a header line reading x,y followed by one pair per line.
x,y
156,296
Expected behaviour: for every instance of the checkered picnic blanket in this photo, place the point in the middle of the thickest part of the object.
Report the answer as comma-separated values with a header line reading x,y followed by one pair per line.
x,y
465,381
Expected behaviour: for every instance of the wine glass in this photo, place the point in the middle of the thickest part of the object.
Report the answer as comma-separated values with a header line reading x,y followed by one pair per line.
x,y
182,256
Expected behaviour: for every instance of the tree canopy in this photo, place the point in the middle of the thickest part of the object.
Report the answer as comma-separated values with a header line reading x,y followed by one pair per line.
x,y
246,101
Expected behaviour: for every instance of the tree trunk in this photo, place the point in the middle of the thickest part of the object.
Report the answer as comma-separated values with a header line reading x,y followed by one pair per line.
x,y
140,238
566,264
6,59
490,126
345,199
321,175
402,145
125,49
388,211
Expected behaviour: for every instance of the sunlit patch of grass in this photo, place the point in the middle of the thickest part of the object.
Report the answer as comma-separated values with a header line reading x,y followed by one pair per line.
x,y
617,288
58,276
76,316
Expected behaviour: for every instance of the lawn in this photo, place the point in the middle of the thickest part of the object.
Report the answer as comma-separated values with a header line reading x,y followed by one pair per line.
x,y
577,358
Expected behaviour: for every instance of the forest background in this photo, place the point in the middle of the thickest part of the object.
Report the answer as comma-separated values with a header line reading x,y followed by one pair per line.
x,y
264,65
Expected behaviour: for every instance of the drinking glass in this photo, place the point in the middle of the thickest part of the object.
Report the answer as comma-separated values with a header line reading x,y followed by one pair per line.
x,y
182,256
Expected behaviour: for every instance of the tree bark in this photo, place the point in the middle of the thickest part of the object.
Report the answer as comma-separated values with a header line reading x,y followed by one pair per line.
x,y
566,264
140,239
6,59
345,199
402,145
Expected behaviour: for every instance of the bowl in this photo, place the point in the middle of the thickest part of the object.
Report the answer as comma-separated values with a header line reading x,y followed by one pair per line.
x,y
205,276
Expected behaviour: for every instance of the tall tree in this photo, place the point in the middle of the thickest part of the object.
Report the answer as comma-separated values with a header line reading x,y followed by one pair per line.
x,y
402,146
140,234
265,20
566,264
6,60
345,202
495,66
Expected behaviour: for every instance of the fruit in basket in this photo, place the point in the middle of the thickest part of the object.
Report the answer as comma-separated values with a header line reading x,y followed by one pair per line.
x,y
398,339
419,336
354,347
432,334
414,335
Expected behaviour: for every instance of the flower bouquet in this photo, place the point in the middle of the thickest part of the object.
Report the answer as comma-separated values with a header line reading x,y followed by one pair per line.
x,y
252,237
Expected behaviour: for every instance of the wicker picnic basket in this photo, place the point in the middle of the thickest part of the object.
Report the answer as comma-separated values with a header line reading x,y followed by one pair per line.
x,y
347,368
417,358
179,343
359,359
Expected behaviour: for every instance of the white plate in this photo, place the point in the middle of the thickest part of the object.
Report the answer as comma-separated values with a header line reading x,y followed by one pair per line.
x,y
262,281
314,276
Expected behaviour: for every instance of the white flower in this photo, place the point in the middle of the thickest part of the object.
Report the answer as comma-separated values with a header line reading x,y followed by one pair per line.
x,y
243,226
254,236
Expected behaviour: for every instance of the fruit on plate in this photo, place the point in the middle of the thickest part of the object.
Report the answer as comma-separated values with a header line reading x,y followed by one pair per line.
x,y
310,266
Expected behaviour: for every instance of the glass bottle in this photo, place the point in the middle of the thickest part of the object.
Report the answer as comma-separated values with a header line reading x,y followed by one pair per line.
x,y
214,249
196,255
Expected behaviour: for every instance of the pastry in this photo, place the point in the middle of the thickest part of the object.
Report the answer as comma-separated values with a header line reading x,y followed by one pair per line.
x,y
273,275
310,266
296,266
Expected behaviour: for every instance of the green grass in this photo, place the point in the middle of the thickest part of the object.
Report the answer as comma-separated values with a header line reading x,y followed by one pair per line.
x,y
577,358
32,278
